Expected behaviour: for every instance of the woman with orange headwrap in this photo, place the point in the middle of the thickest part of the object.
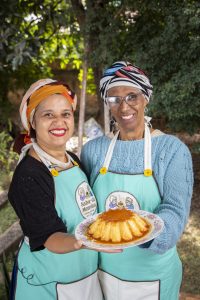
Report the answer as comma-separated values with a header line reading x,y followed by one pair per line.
x,y
51,263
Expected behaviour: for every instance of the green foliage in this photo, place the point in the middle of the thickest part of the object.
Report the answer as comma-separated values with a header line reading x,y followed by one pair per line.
x,y
33,34
8,159
195,148
7,217
108,25
161,37
91,88
168,48
26,26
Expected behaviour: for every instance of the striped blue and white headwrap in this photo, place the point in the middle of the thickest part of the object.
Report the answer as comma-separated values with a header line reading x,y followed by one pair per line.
x,y
123,73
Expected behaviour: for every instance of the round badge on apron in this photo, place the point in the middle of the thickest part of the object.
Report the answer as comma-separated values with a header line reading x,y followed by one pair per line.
x,y
136,273
121,200
86,200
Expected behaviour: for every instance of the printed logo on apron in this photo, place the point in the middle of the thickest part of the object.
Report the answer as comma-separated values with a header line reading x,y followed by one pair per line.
x,y
121,200
86,200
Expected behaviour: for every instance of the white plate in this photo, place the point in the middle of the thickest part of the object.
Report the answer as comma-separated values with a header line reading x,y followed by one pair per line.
x,y
156,222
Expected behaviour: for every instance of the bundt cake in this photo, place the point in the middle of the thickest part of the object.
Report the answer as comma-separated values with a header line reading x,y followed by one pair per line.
x,y
118,226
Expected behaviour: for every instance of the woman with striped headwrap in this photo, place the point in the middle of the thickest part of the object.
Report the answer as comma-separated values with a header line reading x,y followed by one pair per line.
x,y
141,169
51,263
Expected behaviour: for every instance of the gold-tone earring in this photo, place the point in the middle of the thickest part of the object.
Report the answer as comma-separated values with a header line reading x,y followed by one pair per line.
x,y
112,124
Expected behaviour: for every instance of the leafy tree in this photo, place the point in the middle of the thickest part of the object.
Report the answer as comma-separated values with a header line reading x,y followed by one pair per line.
x,y
166,44
8,159
31,38
104,26
161,37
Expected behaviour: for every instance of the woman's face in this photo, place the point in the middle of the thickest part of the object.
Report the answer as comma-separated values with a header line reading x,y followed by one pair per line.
x,y
53,122
129,118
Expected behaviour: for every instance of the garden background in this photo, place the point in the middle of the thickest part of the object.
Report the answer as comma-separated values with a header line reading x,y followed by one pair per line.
x,y
75,41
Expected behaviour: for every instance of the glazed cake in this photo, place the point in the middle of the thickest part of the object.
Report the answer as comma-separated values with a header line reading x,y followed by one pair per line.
x,y
118,226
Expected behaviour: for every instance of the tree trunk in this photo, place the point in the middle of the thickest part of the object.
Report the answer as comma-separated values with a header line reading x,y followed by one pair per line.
x,y
103,115
100,113
82,107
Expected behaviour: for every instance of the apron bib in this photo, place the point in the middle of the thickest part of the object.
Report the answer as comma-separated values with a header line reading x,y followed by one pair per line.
x,y
136,273
44,275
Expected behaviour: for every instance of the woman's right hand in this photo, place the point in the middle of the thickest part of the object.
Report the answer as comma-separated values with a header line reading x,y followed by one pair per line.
x,y
60,243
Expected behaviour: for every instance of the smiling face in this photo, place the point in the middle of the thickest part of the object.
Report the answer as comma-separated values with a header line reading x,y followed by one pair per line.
x,y
130,119
53,123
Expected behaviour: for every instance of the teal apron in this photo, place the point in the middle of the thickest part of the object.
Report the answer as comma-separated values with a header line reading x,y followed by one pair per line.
x,y
44,275
136,273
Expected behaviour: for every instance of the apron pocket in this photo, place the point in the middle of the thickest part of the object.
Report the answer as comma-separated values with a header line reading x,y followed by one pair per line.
x,y
116,289
87,289
109,285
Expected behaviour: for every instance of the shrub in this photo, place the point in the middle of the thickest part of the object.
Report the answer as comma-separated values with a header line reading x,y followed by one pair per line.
x,y
8,159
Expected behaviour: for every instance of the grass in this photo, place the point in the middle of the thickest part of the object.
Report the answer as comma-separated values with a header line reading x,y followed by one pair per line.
x,y
189,250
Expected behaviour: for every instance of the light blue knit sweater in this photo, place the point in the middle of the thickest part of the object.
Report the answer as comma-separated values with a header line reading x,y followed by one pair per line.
x,y
172,168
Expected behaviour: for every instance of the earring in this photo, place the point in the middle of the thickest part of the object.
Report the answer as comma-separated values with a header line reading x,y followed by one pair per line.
x,y
145,110
112,124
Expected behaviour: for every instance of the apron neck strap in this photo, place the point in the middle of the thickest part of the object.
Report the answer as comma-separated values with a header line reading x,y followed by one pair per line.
x,y
109,154
49,161
147,151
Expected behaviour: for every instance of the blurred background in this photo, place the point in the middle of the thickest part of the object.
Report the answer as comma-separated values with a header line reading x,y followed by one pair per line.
x,y
75,41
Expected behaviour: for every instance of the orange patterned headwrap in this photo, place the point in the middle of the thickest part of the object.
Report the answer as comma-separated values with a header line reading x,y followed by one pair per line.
x,y
38,92
45,91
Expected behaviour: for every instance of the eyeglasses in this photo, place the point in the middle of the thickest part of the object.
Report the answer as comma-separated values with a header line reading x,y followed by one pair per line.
x,y
130,99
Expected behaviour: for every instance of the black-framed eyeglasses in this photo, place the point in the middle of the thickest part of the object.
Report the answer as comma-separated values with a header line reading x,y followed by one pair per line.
x,y
130,99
